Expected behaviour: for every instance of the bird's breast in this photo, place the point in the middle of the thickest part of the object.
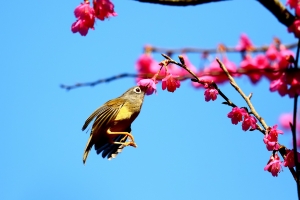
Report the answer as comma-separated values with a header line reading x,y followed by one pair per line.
x,y
124,114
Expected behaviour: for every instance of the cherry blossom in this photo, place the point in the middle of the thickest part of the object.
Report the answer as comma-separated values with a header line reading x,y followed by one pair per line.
x,y
210,94
274,165
236,115
170,83
104,9
244,43
85,15
149,85
289,158
249,122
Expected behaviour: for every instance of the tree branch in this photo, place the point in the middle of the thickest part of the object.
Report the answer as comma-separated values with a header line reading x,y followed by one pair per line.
x,y
91,84
179,2
294,125
169,51
279,11
282,149
274,6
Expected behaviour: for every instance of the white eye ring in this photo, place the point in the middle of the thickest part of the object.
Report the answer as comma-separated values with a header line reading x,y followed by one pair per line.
x,y
137,90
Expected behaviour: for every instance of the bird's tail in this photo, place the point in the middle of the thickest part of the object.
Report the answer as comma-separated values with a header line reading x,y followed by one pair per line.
x,y
110,150
87,149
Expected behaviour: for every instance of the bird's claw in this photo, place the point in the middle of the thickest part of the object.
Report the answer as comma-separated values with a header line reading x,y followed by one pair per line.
x,y
133,144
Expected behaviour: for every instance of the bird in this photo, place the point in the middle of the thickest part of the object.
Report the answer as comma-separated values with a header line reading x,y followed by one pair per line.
x,y
111,125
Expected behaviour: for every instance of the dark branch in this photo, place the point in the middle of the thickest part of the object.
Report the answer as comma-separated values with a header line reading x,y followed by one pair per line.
x,y
179,2
279,11
274,6
91,84
294,125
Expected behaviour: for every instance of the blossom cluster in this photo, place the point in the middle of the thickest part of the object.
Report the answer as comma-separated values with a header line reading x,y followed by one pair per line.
x,y
271,138
295,27
164,71
169,75
274,165
276,64
240,114
86,15
211,92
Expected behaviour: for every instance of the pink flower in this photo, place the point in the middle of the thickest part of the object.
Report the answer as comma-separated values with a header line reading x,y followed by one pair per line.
x,y
249,121
285,120
236,115
274,165
172,69
278,66
170,82
284,55
289,158
80,26
104,9
272,52
85,18
251,68
244,43
273,71
210,94
146,64
271,138
261,61
288,83
214,73
84,11
271,141
274,130
279,85
295,28
149,85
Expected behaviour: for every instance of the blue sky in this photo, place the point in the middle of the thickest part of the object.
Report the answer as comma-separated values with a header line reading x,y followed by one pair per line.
x,y
187,148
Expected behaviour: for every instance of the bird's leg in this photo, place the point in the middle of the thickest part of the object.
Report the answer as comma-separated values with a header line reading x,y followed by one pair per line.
x,y
121,133
131,143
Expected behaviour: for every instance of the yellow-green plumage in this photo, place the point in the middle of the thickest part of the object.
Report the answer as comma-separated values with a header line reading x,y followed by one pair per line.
x,y
115,115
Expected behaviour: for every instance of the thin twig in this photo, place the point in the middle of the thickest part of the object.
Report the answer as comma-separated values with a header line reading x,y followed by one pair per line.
x,y
210,50
91,84
181,78
182,64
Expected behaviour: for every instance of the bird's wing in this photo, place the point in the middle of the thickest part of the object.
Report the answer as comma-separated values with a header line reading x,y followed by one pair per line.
x,y
104,113
103,116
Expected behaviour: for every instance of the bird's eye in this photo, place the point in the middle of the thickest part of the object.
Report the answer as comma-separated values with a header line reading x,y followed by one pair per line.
x,y
137,90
